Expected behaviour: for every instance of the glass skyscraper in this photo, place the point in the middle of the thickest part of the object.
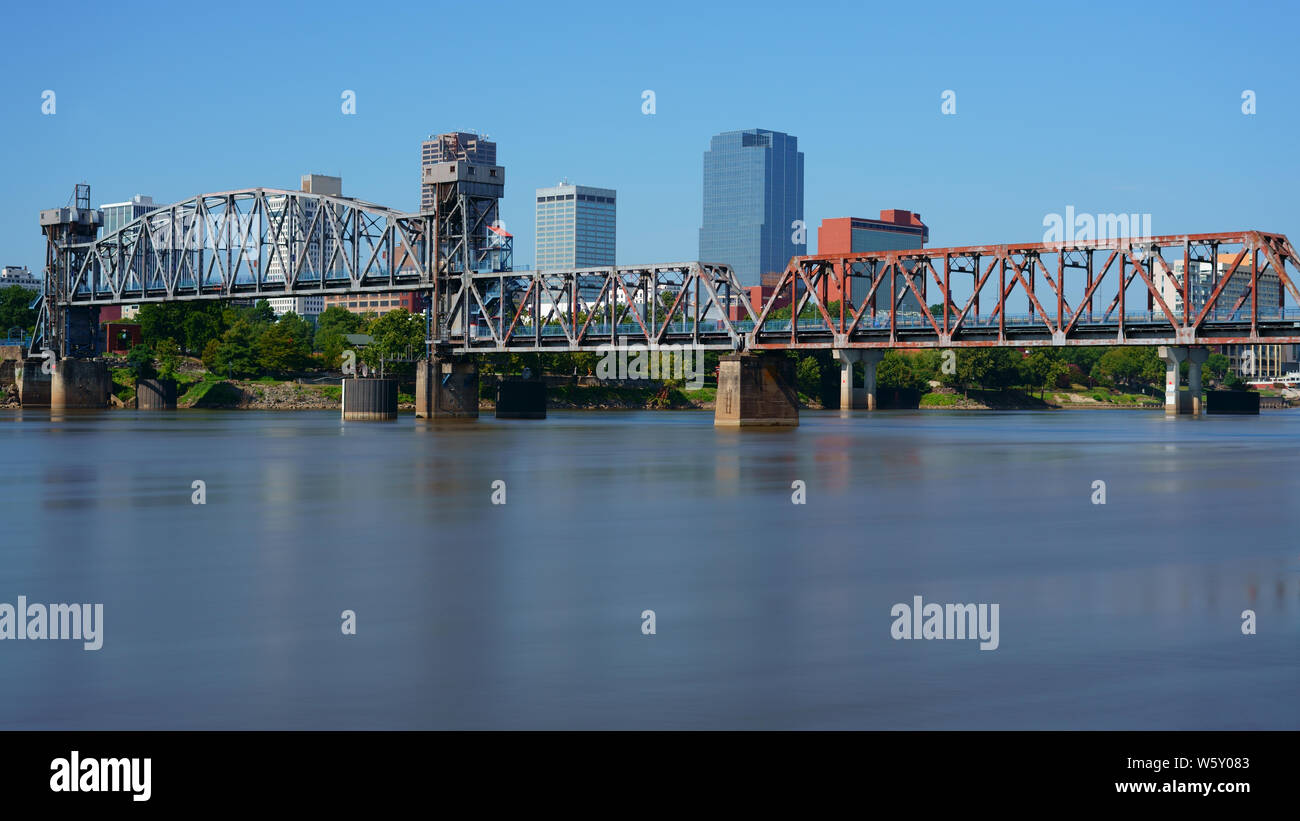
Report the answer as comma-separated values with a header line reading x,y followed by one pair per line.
x,y
753,195
575,227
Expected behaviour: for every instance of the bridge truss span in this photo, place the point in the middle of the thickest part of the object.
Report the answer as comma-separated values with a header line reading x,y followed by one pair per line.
x,y
1228,288
250,243
586,309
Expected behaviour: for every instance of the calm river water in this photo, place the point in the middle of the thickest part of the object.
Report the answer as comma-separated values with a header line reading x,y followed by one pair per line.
x,y
767,614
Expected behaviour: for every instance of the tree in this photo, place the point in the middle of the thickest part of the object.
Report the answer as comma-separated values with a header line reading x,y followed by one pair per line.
x,y
1216,367
14,312
140,363
994,368
236,353
1129,367
1041,369
159,321
284,346
808,376
331,329
190,324
263,312
898,371
169,354
397,335
202,323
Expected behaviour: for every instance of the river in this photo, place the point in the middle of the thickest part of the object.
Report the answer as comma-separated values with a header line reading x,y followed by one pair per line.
x,y
766,613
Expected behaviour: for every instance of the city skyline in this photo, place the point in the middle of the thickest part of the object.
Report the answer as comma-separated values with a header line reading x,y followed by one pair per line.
x,y
983,174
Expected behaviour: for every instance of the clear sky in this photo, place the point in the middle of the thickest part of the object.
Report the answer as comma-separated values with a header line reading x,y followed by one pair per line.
x,y
1106,107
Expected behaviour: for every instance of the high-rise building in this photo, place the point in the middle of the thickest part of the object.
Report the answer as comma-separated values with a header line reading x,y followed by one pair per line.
x,y
575,227
1205,278
281,260
456,145
753,202
20,276
895,230
118,214
1263,361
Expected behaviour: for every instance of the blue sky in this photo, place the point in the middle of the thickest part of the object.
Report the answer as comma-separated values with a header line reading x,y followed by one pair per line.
x,y
1099,106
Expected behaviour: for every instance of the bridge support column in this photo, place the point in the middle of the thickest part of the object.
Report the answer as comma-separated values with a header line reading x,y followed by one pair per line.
x,y
155,394
1195,359
446,387
849,396
366,399
870,359
864,397
80,384
11,359
755,390
521,399
1173,357
33,383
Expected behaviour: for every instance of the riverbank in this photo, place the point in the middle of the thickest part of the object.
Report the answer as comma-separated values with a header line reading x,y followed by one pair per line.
x,y
291,396
200,389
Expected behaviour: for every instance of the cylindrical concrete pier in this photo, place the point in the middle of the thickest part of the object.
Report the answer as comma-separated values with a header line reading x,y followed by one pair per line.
x,y
80,384
155,394
369,400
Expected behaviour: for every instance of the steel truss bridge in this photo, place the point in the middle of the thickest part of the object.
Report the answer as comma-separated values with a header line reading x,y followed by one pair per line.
x,y
1201,289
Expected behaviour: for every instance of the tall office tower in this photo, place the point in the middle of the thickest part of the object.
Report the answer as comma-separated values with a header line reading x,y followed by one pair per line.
x,y
456,145
753,202
118,214
575,227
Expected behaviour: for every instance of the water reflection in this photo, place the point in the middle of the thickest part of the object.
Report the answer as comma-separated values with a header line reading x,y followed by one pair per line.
x,y
769,614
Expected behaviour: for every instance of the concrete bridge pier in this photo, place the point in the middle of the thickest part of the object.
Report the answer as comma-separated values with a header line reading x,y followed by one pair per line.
x,y
1178,403
80,384
446,387
368,399
756,390
864,397
11,359
33,383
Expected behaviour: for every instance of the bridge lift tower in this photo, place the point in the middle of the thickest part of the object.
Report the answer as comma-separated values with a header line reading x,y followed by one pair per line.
x,y
469,239
69,331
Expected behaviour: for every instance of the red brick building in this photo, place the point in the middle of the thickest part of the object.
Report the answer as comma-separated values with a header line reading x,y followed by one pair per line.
x,y
120,337
895,230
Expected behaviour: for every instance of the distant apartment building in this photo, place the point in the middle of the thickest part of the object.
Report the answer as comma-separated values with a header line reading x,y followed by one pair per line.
x,y
576,227
308,307
896,230
1206,278
753,202
375,303
119,214
18,275
455,145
